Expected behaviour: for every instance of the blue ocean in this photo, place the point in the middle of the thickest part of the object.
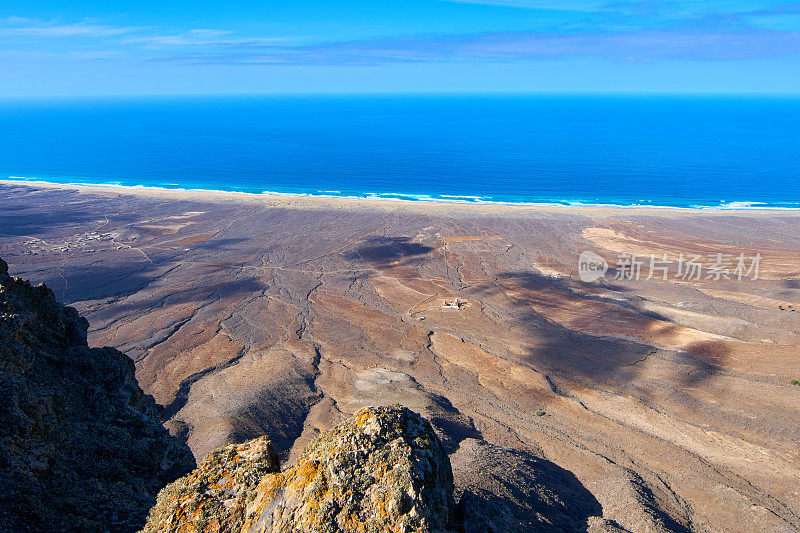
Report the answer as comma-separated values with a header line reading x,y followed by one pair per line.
x,y
709,151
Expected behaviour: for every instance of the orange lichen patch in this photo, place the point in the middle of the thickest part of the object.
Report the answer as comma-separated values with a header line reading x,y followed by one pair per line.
x,y
362,417
380,471
330,488
270,485
213,497
304,472
266,491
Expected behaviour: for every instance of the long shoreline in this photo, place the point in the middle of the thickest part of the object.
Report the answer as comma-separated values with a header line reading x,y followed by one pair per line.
x,y
308,201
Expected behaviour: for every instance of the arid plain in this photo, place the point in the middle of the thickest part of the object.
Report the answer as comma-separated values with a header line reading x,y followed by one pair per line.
x,y
663,404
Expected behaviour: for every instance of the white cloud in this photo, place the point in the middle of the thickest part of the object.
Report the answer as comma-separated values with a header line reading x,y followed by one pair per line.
x,y
21,26
202,37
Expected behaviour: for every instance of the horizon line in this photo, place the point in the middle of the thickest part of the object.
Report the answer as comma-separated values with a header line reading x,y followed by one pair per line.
x,y
398,93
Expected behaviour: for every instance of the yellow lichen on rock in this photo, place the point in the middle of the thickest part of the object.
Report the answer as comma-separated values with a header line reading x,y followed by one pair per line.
x,y
384,470
213,497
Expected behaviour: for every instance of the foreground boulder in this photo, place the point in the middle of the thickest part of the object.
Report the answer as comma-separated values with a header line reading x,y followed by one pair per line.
x,y
215,496
383,470
81,446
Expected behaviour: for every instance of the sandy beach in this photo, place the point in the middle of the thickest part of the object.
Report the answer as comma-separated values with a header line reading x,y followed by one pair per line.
x,y
389,204
668,396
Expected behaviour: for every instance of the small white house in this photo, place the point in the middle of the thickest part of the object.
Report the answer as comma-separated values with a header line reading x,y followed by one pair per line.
x,y
452,304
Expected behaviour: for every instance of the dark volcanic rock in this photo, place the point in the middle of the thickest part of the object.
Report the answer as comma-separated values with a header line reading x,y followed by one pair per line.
x,y
382,470
81,446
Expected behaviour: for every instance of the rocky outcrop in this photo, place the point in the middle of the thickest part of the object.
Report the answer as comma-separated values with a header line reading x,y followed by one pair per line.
x,y
81,446
383,470
217,495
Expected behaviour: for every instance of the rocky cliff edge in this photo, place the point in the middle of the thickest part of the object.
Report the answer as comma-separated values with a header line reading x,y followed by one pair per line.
x,y
81,446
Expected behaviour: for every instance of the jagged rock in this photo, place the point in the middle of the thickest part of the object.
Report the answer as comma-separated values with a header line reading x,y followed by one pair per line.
x,y
215,496
81,446
383,470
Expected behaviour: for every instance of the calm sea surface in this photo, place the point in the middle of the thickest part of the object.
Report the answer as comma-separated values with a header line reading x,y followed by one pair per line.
x,y
628,150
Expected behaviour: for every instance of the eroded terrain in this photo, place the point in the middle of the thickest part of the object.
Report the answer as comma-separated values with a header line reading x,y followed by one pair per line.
x,y
669,400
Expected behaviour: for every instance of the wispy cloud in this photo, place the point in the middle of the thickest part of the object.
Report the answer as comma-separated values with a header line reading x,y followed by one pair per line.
x,y
636,31
21,26
201,37
637,46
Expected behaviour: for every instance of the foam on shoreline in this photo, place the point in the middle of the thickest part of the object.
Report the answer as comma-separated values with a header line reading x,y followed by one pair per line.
x,y
414,198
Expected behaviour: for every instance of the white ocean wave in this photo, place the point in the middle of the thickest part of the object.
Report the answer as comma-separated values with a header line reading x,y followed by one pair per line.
x,y
410,197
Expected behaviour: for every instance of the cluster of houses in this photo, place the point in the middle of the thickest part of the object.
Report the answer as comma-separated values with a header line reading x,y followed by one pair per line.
x,y
36,246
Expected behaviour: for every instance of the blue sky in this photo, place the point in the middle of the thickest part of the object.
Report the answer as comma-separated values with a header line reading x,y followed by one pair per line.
x,y
82,47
